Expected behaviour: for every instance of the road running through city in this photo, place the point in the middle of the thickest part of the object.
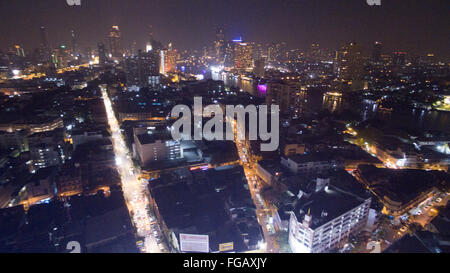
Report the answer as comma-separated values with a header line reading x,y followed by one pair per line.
x,y
134,190
249,164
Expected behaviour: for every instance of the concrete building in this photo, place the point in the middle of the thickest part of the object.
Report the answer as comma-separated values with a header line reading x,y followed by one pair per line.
x,y
310,163
243,56
44,156
324,219
269,171
142,70
156,147
81,137
283,93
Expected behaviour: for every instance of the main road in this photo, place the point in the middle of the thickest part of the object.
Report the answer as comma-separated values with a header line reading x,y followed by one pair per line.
x,y
135,190
249,164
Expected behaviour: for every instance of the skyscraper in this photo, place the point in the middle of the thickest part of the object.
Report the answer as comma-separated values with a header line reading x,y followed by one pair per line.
x,y
168,60
377,51
44,38
277,53
45,50
102,54
399,58
243,56
229,55
259,69
143,69
315,52
351,65
219,46
73,43
19,51
283,93
115,44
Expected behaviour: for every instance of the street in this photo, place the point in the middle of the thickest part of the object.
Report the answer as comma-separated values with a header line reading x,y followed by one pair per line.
x,y
249,165
134,189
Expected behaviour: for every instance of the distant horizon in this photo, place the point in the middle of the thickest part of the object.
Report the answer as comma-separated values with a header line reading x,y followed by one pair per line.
x,y
416,27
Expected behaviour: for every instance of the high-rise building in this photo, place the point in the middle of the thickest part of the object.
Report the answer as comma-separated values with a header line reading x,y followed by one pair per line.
x,y
350,61
259,52
168,60
44,38
315,53
115,43
60,57
259,68
284,94
277,53
229,55
143,69
19,51
102,56
45,50
399,58
243,56
219,46
74,43
377,51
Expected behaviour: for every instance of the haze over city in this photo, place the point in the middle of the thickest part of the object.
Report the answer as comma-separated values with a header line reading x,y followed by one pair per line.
x,y
235,127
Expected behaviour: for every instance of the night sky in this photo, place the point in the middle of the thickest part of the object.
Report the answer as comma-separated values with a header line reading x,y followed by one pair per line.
x,y
415,26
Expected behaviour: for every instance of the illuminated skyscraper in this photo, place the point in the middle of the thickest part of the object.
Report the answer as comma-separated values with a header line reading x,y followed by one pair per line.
x,y
351,65
143,70
315,53
283,93
259,68
73,43
19,51
102,54
399,58
229,55
277,53
168,60
45,50
243,55
219,46
377,51
115,43
44,38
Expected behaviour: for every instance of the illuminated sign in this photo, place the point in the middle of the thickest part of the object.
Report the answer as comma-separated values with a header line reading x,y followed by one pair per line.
x,y
194,243
226,247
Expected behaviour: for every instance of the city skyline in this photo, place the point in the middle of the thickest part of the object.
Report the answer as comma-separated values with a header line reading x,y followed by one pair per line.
x,y
411,27
282,126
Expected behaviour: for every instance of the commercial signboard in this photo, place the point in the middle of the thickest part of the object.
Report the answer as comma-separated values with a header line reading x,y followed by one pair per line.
x,y
194,243
226,247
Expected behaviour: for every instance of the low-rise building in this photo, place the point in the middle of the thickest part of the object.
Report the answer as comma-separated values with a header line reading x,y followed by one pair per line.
x,y
400,190
311,163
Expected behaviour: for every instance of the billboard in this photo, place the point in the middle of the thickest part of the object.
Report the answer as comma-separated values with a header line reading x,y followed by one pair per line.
x,y
194,243
226,247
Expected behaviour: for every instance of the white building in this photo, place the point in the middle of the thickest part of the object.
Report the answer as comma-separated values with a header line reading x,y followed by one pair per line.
x,y
156,147
323,220
312,163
